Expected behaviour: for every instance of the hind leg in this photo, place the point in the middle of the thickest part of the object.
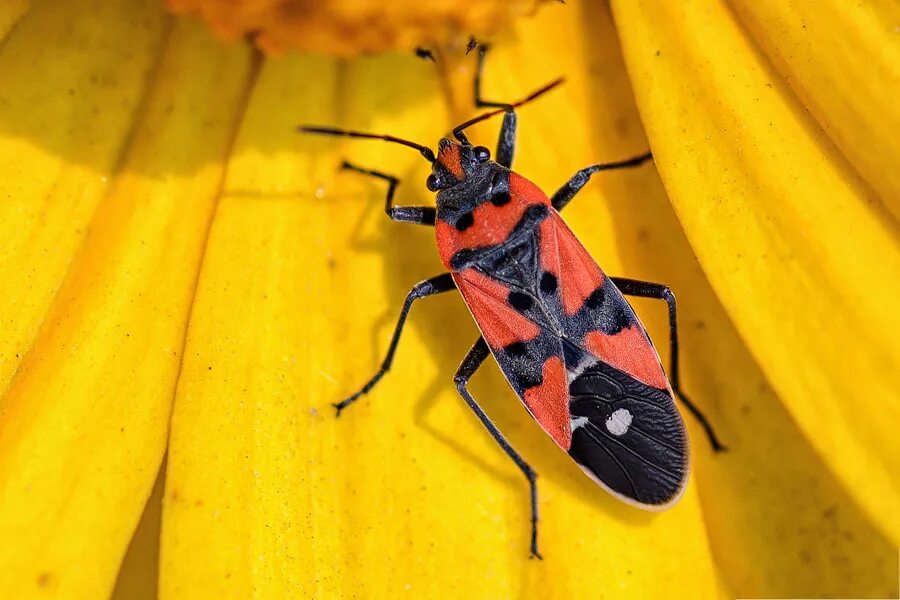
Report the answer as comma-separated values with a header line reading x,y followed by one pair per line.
x,y
646,289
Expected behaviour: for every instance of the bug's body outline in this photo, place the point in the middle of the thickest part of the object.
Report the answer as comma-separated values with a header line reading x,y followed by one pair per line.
x,y
554,321
543,304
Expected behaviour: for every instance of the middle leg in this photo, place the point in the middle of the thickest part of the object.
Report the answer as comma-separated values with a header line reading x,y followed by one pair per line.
x,y
420,215
470,364
429,287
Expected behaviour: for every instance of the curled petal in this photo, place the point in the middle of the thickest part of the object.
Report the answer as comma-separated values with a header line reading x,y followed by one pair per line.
x,y
803,259
841,60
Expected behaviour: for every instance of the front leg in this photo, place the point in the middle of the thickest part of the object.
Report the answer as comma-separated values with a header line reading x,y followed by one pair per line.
x,y
646,289
429,287
420,215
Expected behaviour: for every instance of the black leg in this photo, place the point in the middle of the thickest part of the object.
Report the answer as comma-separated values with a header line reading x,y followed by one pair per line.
x,y
565,194
645,289
479,70
470,364
421,215
429,287
506,145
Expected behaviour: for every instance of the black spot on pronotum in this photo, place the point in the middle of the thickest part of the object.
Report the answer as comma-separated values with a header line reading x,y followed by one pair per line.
x,y
548,282
500,198
519,301
464,258
534,214
465,221
516,349
499,189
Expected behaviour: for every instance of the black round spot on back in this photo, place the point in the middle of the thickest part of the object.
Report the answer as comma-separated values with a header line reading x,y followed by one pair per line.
x,y
595,300
621,318
500,198
516,349
548,282
519,301
529,376
465,221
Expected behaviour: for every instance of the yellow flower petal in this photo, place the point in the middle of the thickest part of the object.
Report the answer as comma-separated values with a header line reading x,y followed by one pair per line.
x,y
138,576
352,27
65,112
802,259
405,493
842,59
240,480
85,418
10,12
267,493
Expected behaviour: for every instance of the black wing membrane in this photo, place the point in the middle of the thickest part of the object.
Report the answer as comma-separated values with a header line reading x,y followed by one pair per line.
x,y
628,436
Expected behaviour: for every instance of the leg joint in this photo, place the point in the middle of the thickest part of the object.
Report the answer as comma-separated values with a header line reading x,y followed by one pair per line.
x,y
420,290
581,177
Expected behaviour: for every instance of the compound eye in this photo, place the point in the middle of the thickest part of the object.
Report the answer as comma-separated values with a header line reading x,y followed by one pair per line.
x,y
481,153
431,183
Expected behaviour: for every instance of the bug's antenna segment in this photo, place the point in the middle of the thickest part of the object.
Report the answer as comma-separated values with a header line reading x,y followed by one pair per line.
x,y
425,151
458,130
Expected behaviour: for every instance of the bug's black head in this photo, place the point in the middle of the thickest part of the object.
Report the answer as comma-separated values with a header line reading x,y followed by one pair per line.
x,y
457,164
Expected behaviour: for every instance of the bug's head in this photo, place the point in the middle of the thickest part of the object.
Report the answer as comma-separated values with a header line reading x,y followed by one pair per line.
x,y
457,163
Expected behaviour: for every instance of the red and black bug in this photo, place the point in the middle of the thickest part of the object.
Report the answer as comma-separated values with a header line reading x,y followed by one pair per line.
x,y
565,337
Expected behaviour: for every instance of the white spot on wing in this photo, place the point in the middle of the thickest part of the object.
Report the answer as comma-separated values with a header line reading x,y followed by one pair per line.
x,y
619,421
578,422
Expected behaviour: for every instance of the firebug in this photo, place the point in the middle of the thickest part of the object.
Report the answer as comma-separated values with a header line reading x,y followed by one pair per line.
x,y
561,330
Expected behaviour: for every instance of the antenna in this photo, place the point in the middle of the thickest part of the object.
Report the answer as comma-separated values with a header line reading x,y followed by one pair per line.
x,y
425,151
458,130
